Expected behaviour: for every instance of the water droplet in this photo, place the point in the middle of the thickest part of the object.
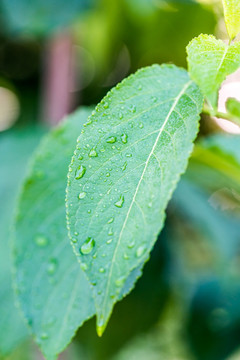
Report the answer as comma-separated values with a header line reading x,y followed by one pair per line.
x,y
93,153
150,204
106,106
83,266
82,195
133,109
80,172
76,233
95,256
120,202
110,232
88,246
111,140
140,250
128,155
44,336
110,220
120,281
52,266
103,255
41,241
125,256
101,270
131,244
124,138
124,166
74,240
141,125
120,116
109,241
140,87
107,174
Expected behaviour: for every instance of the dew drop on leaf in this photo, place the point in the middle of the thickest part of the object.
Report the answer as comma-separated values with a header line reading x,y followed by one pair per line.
x,y
124,166
111,140
88,246
41,241
120,202
110,220
124,138
131,244
52,266
82,195
120,116
44,336
93,153
80,172
110,232
83,266
140,250
133,109
109,241
101,270
120,281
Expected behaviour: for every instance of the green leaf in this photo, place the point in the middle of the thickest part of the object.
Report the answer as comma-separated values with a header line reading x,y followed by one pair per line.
x,y
233,107
209,62
232,17
215,162
128,160
15,145
52,289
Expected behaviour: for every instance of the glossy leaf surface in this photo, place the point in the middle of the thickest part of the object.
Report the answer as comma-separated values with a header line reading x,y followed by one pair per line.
x,y
126,165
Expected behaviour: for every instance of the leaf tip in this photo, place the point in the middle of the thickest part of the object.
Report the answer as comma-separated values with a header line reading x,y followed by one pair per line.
x,y
100,330
101,326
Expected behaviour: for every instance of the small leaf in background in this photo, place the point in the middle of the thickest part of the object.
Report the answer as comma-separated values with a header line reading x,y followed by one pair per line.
x,y
215,165
209,62
128,160
52,289
15,148
232,17
233,107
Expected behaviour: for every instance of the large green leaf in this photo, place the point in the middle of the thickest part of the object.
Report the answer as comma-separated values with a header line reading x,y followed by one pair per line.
x,y
15,148
52,289
210,61
128,160
232,17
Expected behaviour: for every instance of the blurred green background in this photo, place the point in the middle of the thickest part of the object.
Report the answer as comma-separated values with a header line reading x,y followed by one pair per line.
x,y
58,55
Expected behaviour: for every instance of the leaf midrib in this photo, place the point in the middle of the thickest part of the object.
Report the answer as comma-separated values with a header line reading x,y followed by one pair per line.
x,y
140,181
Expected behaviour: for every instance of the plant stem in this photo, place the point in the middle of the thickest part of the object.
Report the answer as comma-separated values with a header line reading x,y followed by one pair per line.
x,y
221,115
